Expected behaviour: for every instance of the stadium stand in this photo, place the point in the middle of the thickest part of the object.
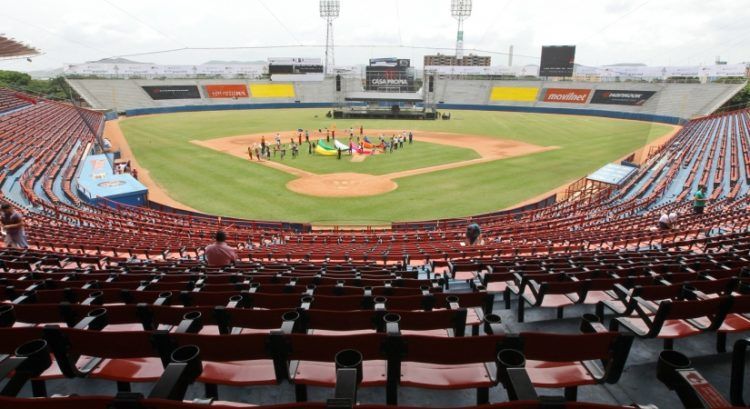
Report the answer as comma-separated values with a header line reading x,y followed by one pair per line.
x,y
10,100
120,294
669,103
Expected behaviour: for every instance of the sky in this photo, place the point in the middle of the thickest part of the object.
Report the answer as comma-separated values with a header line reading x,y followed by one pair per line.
x,y
654,32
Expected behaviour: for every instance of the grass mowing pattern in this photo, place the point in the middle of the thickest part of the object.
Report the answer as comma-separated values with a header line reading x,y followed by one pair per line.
x,y
217,183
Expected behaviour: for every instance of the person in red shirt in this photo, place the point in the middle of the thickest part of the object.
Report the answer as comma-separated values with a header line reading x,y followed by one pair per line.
x,y
220,254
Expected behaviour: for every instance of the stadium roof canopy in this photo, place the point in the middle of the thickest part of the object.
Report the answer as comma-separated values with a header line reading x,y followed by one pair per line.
x,y
12,48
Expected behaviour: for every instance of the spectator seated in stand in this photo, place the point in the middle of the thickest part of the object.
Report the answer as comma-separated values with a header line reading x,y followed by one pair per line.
x,y
664,222
220,254
473,234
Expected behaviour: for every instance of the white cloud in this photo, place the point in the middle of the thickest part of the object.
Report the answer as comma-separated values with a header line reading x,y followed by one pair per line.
x,y
656,32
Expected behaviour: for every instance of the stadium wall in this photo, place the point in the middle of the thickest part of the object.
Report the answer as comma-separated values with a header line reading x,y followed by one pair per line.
x,y
664,101
673,120
566,111
223,107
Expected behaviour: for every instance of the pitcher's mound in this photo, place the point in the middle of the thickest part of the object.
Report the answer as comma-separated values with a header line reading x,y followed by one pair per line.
x,y
342,185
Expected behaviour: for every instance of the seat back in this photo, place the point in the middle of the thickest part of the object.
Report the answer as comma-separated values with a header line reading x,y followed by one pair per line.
x,y
451,351
658,292
116,344
429,320
12,338
681,310
323,348
562,287
223,348
568,347
720,286
339,320
740,305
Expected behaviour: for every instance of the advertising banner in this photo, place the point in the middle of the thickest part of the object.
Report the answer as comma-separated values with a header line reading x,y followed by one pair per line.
x,y
390,62
272,90
294,69
295,61
389,79
172,91
621,97
566,95
226,91
525,94
557,61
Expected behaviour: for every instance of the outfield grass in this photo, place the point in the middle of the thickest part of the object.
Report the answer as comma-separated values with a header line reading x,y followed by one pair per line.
x,y
217,183
415,156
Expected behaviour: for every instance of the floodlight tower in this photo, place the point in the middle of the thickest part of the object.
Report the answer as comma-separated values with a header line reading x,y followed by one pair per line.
x,y
460,10
329,10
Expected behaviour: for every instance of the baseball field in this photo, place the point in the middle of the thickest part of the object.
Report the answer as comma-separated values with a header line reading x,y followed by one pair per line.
x,y
476,162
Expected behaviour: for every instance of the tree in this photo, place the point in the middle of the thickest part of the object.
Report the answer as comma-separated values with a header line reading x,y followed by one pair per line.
x,y
55,88
14,79
741,99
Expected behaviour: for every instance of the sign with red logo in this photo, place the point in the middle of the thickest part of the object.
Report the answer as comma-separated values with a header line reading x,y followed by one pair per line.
x,y
706,392
226,91
566,95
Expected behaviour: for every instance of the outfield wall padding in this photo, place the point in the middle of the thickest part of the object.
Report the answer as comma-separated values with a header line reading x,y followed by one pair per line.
x,y
228,107
672,120
272,90
523,94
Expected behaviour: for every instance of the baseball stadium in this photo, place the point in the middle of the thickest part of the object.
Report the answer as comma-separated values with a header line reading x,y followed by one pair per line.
x,y
511,222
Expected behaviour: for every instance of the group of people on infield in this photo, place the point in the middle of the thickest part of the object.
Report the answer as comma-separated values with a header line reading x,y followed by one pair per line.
x,y
265,151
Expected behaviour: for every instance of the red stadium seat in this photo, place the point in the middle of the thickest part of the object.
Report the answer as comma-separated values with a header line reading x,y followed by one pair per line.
x,y
670,320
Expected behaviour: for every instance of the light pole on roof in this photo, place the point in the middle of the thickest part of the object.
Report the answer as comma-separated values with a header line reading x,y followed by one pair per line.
x,y
329,10
460,10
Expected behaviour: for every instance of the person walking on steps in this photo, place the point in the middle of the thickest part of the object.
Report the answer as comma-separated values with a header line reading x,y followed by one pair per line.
x,y
699,200
15,235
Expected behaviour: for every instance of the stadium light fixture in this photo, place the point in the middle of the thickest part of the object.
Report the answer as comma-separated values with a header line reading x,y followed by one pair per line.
x,y
329,10
460,10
